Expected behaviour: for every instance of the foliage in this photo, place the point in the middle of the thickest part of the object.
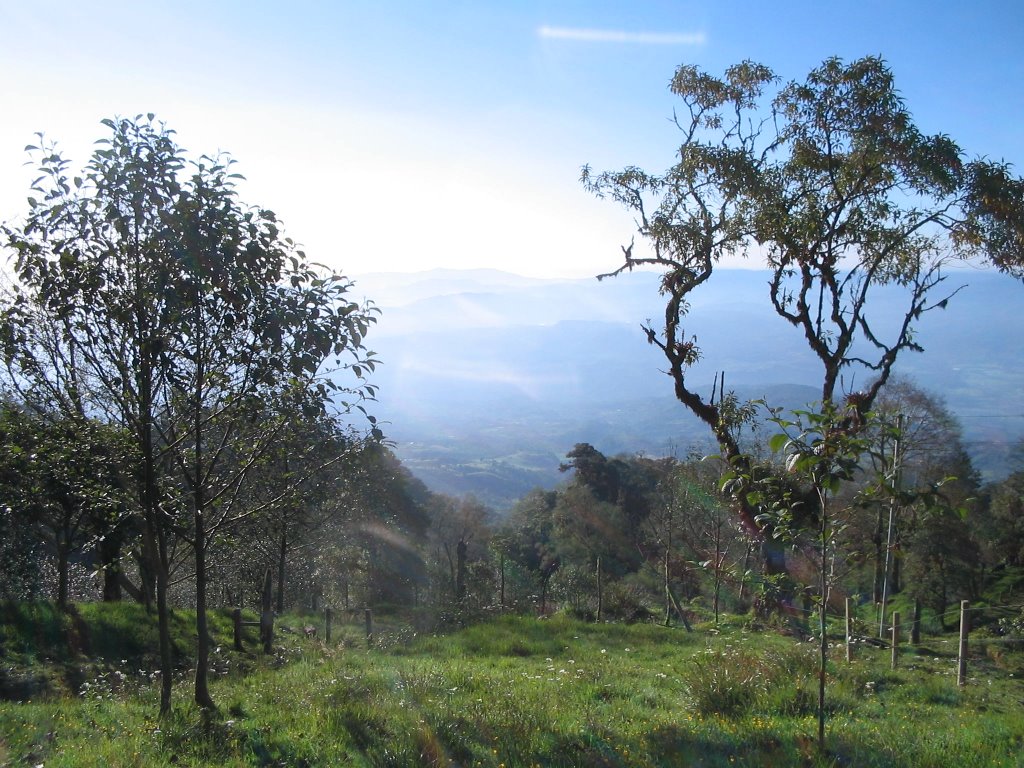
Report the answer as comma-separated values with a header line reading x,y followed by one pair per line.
x,y
66,482
920,469
526,538
1005,526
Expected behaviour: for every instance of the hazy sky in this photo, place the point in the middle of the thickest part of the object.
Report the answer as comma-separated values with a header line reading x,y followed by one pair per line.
x,y
412,135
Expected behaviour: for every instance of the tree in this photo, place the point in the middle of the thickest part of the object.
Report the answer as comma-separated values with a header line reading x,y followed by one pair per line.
x,y
692,522
605,506
943,559
181,311
831,184
1006,521
820,448
300,482
460,530
393,524
68,480
915,447
526,538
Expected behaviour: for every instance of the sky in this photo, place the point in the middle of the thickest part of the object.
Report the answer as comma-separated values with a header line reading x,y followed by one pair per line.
x,y
405,136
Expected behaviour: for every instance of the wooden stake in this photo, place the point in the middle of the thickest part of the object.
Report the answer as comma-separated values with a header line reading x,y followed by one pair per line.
x,y
961,664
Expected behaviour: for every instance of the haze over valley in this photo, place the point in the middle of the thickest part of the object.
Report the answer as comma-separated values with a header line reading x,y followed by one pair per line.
x,y
489,378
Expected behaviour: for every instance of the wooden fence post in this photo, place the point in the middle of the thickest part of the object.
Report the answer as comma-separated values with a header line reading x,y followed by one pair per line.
x,y
895,638
368,615
327,625
849,634
961,663
600,591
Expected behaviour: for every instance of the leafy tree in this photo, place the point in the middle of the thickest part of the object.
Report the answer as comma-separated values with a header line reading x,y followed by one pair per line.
x,y
943,559
1005,524
604,509
180,311
300,484
915,448
68,480
694,529
593,469
393,522
526,538
832,186
460,530
820,448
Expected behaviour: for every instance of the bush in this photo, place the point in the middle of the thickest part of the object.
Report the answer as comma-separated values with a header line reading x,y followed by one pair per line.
x,y
625,600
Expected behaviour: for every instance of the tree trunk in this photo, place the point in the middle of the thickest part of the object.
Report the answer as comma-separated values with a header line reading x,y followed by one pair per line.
x,y
774,553
146,561
62,575
822,626
501,598
668,591
163,619
897,563
203,698
746,567
679,610
267,613
155,527
460,571
718,592
877,539
202,692
110,559
915,627
155,544
719,557
282,559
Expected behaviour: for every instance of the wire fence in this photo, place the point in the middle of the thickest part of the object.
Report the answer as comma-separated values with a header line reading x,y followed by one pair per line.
x,y
1008,611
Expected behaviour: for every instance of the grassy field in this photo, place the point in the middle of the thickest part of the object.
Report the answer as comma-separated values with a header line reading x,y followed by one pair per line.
x,y
511,692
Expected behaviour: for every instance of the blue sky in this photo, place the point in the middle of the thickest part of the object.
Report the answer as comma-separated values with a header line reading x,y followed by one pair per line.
x,y
407,136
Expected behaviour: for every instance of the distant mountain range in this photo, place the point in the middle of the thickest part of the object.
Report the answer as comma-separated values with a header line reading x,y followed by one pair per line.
x,y
489,378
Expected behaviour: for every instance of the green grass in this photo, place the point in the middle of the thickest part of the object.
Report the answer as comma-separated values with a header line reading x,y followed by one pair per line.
x,y
525,692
